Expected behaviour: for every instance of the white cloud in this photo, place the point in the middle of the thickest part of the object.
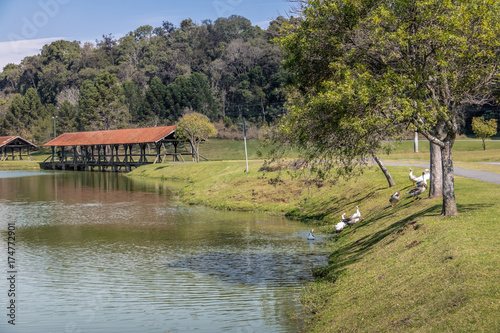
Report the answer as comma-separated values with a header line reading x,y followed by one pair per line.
x,y
15,51
263,24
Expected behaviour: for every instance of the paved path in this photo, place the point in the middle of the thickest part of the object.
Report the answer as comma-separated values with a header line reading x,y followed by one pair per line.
x,y
484,176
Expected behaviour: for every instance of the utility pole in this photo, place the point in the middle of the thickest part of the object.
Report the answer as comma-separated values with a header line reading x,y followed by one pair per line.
x,y
54,117
245,140
415,145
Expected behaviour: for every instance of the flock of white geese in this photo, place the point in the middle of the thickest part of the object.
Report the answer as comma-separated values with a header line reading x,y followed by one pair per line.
x,y
420,184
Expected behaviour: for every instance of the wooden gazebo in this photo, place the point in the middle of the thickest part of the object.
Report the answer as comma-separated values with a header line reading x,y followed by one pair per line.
x,y
12,146
113,150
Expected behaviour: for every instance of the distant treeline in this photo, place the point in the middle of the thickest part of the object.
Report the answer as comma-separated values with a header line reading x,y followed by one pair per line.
x,y
225,69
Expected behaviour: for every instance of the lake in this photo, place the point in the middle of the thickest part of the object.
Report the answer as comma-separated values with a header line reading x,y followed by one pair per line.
x,y
101,252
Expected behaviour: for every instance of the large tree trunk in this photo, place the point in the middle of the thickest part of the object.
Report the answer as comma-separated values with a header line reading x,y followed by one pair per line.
x,y
449,202
384,170
197,151
436,181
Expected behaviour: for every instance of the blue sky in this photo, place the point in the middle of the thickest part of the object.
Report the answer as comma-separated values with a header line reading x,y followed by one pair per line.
x,y
26,25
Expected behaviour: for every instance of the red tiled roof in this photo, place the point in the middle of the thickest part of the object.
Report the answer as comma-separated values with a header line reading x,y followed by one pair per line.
x,y
6,139
113,137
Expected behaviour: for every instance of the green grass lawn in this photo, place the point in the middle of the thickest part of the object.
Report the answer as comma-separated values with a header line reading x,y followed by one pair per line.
x,y
33,163
224,149
19,165
406,269
463,150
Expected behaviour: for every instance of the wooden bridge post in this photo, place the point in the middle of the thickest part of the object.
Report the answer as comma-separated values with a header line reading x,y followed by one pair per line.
x,y
158,152
75,159
126,156
174,158
92,158
99,158
85,158
117,159
131,158
63,158
143,153
52,160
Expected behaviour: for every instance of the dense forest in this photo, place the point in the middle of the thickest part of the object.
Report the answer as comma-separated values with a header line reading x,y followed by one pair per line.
x,y
227,69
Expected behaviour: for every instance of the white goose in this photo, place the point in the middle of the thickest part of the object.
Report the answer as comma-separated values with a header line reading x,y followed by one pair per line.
x,y
412,177
311,236
341,225
426,175
355,218
356,215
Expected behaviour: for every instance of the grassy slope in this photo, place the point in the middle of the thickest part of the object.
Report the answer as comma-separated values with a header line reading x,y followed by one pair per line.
x,y
449,282
376,280
224,185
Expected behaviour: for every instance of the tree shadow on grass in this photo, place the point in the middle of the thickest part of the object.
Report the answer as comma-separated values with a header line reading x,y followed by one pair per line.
x,y
361,247
321,212
354,251
468,208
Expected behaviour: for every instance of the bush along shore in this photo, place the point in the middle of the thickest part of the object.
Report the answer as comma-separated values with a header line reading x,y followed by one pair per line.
x,y
402,268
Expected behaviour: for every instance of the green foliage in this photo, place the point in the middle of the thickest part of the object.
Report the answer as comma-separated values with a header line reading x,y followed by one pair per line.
x,y
195,127
403,54
66,117
192,93
27,117
369,69
101,105
153,107
53,77
61,51
133,99
10,77
226,68
33,106
484,129
15,117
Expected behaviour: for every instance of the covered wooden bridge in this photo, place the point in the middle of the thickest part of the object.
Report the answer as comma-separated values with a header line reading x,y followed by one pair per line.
x,y
114,150
12,147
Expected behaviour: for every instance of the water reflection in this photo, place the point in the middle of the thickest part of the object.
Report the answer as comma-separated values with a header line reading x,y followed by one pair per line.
x,y
254,268
100,252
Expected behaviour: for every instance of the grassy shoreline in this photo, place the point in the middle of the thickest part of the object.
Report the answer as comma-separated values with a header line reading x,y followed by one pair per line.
x,y
401,269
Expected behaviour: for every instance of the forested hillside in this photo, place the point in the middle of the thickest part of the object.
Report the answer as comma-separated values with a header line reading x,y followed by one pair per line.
x,y
225,69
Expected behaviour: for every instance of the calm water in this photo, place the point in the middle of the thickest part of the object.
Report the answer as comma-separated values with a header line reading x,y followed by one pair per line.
x,y
98,252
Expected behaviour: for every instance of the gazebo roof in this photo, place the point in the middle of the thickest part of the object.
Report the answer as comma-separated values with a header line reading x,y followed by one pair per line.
x,y
15,140
113,137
